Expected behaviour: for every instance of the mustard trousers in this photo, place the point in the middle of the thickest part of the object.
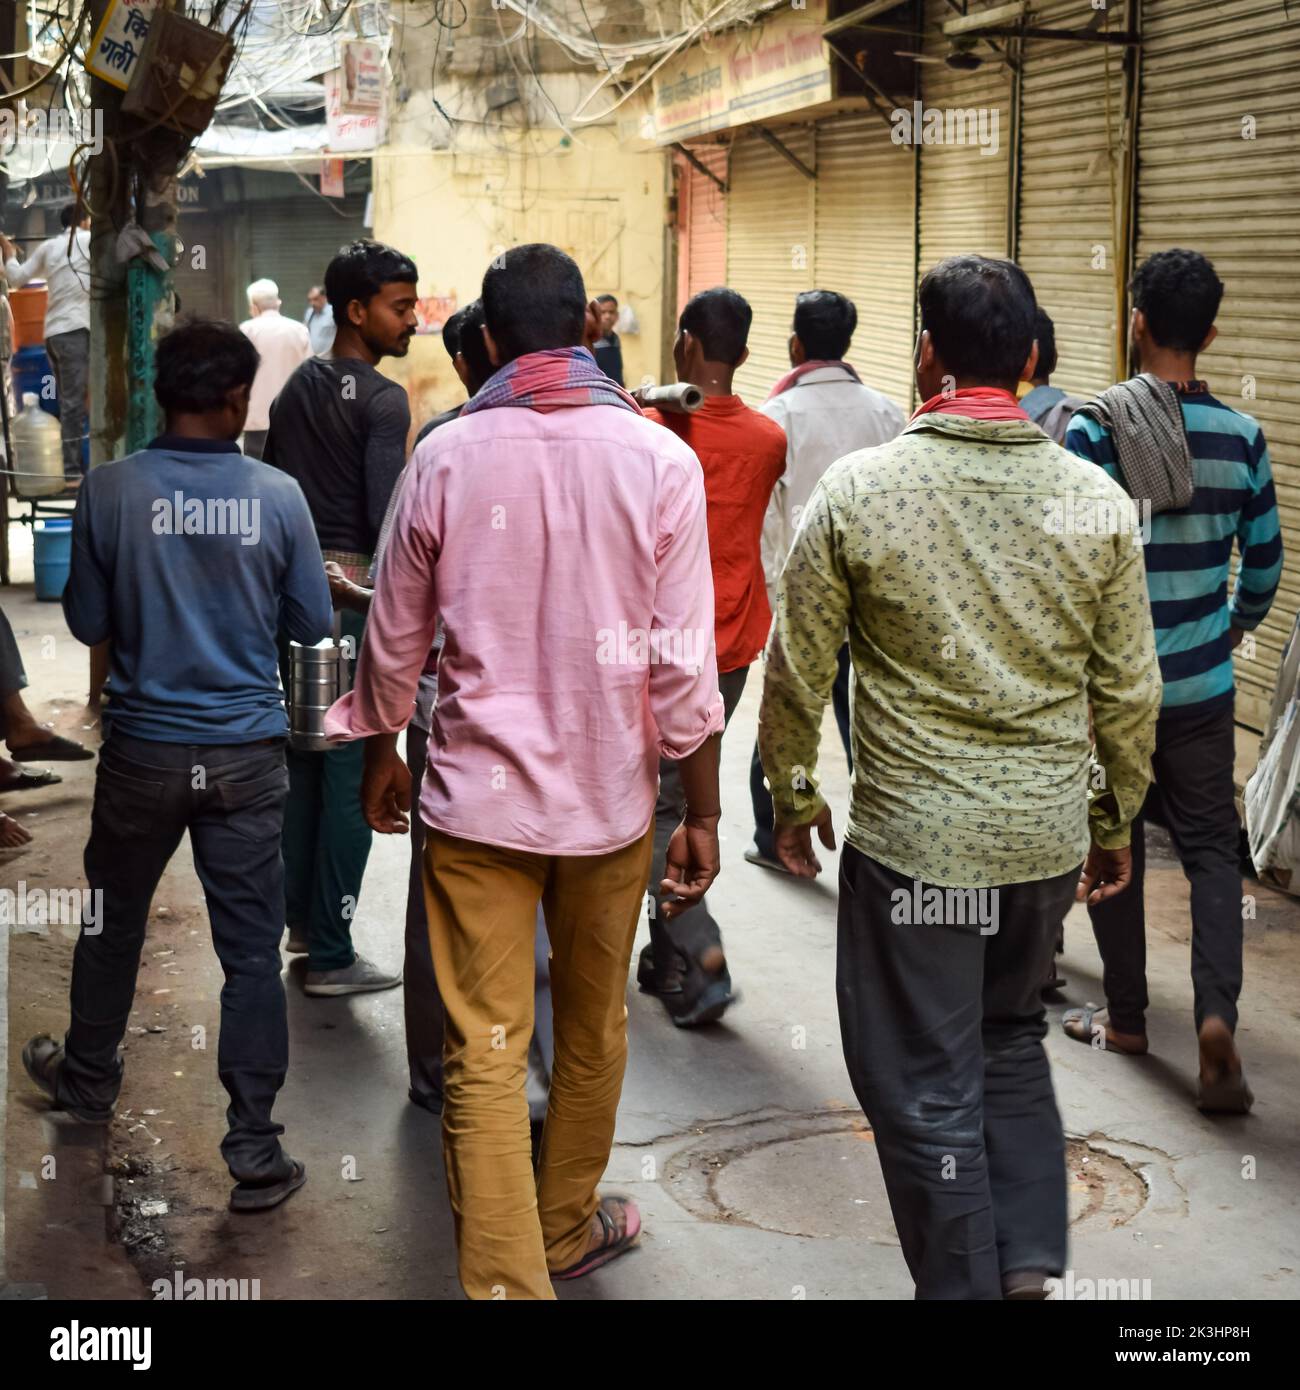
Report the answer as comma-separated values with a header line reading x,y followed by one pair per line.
x,y
513,1228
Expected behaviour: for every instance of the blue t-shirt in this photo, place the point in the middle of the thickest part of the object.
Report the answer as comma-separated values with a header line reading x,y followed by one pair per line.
x,y
188,558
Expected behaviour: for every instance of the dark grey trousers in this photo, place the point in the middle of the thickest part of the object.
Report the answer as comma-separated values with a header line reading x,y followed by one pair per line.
x,y
69,355
1193,796
695,930
943,1033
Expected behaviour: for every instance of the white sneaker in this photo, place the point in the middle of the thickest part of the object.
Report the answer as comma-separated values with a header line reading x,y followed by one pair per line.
x,y
361,977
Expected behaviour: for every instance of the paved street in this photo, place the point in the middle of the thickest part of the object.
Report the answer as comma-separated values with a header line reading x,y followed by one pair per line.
x,y
743,1144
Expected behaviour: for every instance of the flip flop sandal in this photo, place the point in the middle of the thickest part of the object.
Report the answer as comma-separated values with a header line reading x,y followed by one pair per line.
x,y
247,1197
1229,1095
30,781
54,750
613,1244
1080,1025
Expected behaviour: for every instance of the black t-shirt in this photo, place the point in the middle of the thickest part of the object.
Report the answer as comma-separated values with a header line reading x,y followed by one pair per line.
x,y
339,427
608,353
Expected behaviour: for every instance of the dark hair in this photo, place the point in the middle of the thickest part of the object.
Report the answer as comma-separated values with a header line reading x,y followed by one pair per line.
x,y
824,321
199,362
720,319
1179,294
979,313
360,270
533,300
69,215
451,333
1045,333
471,346
606,299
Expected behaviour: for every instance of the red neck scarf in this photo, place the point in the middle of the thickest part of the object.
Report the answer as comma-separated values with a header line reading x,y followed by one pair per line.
x,y
789,379
974,402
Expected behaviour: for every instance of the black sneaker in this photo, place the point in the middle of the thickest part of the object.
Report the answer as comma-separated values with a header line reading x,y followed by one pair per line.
x,y
43,1059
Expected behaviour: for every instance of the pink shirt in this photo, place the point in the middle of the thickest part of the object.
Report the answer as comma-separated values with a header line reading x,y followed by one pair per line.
x,y
567,553
283,346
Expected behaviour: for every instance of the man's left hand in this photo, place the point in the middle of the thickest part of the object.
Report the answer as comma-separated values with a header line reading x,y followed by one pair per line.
x,y
386,789
794,847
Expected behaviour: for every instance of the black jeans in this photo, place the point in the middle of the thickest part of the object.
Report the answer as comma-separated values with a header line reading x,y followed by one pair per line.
x,y
1193,796
146,797
764,819
943,1036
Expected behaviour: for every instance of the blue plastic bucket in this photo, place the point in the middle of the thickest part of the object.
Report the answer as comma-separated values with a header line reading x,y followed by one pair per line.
x,y
52,556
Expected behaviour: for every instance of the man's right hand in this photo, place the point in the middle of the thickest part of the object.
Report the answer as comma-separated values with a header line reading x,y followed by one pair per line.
x,y
690,865
794,848
1105,873
385,788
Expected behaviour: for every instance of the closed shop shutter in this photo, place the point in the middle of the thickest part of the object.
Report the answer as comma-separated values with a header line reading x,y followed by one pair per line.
x,y
964,189
1213,72
769,248
702,258
1071,192
865,245
291,241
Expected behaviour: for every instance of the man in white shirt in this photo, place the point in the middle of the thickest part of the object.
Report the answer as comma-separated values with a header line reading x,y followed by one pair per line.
x,y
63,262
319,321
283,347
826,412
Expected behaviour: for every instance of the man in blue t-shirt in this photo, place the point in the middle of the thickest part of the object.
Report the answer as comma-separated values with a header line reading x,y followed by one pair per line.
x,y
1199,474
187,558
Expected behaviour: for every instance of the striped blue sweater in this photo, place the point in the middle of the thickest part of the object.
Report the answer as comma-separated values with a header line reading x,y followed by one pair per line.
x,y
1189,552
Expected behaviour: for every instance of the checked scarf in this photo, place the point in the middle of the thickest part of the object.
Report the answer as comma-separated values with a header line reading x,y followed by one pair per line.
x,y
551,380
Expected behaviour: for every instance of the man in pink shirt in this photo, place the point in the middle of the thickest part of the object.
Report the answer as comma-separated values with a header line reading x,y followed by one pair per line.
x,y
283,347
561,538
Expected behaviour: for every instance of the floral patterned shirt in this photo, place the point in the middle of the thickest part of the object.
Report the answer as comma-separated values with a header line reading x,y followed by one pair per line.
x,y
991,591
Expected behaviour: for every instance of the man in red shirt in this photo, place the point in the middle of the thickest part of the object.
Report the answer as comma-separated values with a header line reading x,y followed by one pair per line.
x,y
742,454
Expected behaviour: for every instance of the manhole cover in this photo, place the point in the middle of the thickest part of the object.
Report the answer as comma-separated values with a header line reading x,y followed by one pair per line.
x,y
818,1175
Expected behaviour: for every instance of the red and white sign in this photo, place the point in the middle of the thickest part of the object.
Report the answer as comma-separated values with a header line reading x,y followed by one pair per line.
x,y
349,131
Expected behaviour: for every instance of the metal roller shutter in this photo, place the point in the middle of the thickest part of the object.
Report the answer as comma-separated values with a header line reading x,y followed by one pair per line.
x,y
865,244
292,241
704,224
1209,67
1072,194
963,190
769,248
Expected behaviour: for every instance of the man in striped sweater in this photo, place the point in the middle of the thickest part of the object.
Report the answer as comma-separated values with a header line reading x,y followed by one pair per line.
x,y
1226,475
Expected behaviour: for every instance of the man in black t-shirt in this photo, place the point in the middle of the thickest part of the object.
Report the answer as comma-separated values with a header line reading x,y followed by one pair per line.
x,y
340,429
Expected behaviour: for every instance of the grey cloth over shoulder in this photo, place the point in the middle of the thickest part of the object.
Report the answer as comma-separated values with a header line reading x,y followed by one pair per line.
x,y
1146,422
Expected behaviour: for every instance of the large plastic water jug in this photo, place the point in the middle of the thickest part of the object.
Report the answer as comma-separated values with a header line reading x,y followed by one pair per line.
x,y
38,451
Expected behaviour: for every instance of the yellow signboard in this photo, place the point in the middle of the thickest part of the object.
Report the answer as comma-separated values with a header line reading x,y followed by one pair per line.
x,y
744,75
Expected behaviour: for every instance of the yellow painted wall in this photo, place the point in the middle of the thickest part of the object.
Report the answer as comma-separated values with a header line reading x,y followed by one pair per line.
x,y
452,212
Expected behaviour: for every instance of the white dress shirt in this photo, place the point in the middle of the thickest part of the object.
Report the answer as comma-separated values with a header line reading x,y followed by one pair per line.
x,y
67,278
320,324
825,415
283,346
